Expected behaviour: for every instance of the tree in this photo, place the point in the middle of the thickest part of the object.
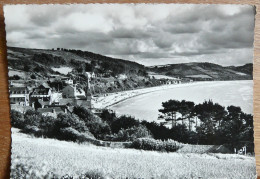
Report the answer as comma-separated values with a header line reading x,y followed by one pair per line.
x,y
26,68
96,125
169,111
173,107
33,76
210,115
186,109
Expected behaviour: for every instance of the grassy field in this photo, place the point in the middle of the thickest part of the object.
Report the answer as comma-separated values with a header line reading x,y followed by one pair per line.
x,y
44,155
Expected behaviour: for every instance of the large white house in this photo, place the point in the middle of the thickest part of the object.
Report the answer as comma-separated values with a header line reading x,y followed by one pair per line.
x,y
19,95
41,96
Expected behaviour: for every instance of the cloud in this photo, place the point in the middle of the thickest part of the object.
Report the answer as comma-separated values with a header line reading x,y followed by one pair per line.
x,y
145,33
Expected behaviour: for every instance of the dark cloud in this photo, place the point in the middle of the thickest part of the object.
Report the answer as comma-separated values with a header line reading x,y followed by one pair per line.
x,y
149,34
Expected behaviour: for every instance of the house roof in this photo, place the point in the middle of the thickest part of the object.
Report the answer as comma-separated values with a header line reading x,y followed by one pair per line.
x,y
43,103
199,76
18,90
45,110
81,97
44,85
40,91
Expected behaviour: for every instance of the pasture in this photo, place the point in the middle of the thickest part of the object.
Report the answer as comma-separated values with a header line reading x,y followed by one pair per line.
x,y
44,155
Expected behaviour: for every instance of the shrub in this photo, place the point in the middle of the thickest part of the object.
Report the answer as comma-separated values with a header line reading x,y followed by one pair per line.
x,y
93,175
133,133
158,145
108,116
95,124
67,120
17,119
33,76
64,127
123,122
15,77
73,135
47,124
33,130
32,118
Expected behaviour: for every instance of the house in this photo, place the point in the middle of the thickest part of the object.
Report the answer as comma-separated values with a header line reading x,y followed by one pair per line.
x,y
122,77
71,91
19,95
69,81
170,81
200,77
76,96
52,111
91,75
41,96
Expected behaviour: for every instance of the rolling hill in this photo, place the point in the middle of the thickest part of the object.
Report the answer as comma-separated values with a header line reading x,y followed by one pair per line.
x,y
43,61
213,71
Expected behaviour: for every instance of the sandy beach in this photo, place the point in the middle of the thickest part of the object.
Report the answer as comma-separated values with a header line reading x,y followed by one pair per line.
x,y
110,99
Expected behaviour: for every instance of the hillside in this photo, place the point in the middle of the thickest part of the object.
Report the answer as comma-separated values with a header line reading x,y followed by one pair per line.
x,y
209,70
43,61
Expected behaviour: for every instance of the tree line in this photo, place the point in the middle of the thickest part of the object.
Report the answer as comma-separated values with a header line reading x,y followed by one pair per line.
x,y
208,123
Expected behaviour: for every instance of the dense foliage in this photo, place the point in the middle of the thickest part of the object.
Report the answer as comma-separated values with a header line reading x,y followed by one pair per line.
x,y
214,124
157,145
207,124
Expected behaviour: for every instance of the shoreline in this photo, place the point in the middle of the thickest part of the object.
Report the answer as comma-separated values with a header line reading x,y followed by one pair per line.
x,y
112,99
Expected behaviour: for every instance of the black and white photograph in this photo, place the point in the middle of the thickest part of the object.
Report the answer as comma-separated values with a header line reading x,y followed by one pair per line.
x,y
131,91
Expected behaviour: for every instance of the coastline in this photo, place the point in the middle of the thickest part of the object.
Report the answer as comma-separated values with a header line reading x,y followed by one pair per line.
x,y
112,99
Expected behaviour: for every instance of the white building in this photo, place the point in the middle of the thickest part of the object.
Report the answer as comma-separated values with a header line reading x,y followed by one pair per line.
x,y
19,95
69,82
91,75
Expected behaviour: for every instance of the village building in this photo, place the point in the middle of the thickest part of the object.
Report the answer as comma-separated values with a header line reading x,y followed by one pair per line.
x,y
200,77
52,111
19,95
121,76
170,81
69,81
71,91
41,96
91,75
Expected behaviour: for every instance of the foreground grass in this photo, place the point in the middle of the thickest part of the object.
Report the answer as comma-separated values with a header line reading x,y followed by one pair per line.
x,y
60,157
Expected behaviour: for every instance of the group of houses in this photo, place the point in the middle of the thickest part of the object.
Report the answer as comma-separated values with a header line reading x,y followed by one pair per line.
x,y
46,101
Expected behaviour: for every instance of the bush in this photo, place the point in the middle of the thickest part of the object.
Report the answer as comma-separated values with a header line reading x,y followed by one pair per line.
x,y
67,120
157,145
15,77
133,133
64,127
33,130
123,122
33,76
73,135
17,119
93,175
32,118
95,124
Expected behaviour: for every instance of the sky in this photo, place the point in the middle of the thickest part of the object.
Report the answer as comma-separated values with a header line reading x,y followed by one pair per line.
x,y
150,34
